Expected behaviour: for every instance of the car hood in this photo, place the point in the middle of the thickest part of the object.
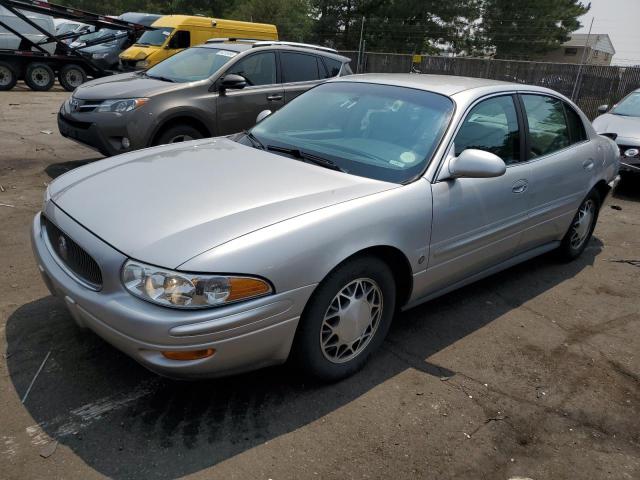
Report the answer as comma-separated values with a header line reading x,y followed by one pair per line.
x,y
165,205
138,52
627,128
125,85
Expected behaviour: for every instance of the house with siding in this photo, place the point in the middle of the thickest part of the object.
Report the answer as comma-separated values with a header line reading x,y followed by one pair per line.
x,y
594,49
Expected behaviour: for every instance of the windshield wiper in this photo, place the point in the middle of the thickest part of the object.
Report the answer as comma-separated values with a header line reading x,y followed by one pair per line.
x,y
297,153
164,79
254,139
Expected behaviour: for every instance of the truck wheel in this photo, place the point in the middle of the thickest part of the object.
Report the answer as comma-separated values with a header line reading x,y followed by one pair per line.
x,y
39,77
8,77
71,77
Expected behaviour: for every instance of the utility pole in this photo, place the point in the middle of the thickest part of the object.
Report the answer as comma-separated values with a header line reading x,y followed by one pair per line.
x,y
360,46
575,85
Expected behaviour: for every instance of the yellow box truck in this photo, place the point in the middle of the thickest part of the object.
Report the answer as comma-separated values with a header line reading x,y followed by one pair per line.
x,y
176,32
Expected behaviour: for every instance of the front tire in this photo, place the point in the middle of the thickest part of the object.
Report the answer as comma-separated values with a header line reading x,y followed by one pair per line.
x,y
177,134
346,319
581,228
39,77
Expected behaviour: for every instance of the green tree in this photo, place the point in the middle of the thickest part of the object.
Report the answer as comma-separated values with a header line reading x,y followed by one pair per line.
x,y
292,17
521,29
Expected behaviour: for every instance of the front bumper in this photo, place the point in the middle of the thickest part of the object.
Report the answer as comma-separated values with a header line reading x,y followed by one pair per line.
x,y
104,131
245,336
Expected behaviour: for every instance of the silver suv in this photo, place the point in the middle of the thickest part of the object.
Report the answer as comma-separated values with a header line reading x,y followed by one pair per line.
x,y
213,89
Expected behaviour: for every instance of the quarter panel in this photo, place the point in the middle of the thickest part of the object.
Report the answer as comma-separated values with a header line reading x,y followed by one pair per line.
x,y
304,249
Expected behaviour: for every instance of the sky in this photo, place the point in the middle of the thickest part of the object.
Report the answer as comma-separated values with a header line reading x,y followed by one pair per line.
x,y
619,19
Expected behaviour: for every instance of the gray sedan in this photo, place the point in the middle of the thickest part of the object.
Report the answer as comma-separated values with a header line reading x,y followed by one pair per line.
x,y
302,238
623,120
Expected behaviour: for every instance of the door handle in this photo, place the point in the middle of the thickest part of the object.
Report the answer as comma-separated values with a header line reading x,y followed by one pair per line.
x,y
273,98
587,165
520,186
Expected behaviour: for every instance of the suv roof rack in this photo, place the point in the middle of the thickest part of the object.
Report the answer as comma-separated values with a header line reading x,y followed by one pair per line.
x,y
264,43
232,39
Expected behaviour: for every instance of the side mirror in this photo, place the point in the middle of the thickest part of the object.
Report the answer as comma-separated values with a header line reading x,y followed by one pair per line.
x,y
472,163
262,115
232,81
603,109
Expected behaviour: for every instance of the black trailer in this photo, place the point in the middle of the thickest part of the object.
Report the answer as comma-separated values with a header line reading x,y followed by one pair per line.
x,y
37,66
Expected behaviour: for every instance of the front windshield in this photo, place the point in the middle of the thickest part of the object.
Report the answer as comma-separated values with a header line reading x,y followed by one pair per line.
x,y
192,64
378,131
155,37
629,106
89,37
66,28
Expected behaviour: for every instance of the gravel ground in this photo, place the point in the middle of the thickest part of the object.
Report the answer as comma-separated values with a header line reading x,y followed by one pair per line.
x,y
533,372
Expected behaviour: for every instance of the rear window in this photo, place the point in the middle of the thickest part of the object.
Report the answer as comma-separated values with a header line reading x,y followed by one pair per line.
x,y
333,66
300,67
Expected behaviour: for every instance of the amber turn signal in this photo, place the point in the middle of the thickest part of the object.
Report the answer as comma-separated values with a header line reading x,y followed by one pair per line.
x,y
243,287
190,354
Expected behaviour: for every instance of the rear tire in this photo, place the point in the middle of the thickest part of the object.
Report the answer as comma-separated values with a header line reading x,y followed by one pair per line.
x,y
8,76
581,228
71,77
177,134
39,77
345,320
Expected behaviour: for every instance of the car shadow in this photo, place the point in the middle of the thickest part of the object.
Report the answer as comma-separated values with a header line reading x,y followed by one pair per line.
x,y
126,422
54,170
628,188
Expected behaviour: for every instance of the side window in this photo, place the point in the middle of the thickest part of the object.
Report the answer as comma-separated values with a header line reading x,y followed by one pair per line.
x,y
258,69
180,39
299,67
577,132
548,130
333,66
492,126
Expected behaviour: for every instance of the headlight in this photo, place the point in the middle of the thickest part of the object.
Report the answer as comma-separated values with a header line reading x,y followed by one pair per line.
x,y
98,56
189,290
142,63
631,152
121,105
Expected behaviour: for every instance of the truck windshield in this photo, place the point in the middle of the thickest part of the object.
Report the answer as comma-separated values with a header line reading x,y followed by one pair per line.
x,y
192,64
155,37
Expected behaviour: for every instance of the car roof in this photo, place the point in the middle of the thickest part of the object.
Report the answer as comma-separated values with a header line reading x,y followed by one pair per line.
x,y
443,84
240,46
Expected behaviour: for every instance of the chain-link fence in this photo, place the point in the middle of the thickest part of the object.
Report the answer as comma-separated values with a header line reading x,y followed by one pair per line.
x,y
589,86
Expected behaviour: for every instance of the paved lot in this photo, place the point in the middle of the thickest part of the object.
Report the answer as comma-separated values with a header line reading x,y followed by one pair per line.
x,y
531,373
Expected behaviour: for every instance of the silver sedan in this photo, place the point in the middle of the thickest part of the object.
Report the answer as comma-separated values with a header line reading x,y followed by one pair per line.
x,y
303,237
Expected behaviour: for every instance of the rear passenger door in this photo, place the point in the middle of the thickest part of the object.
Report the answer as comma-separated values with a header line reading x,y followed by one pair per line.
x,y
238,109
300,72
562,161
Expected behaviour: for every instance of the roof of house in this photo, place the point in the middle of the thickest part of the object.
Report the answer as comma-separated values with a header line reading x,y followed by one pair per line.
x,y
597,41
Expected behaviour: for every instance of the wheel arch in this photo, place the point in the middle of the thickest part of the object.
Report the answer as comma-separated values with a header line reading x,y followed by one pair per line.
x,y
602,188
396,260
177,119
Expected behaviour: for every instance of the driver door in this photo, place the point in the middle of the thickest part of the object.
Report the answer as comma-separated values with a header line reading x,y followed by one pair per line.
x,y
478,222
238,109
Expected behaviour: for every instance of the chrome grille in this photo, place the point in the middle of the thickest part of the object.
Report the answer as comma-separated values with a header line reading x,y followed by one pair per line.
x,y
72,255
